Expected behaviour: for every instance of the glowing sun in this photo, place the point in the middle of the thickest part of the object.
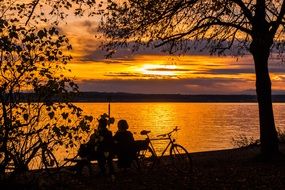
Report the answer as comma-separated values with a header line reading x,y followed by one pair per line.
x,y
159,70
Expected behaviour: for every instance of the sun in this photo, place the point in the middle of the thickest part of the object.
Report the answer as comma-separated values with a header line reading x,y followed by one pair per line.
x,y
159,70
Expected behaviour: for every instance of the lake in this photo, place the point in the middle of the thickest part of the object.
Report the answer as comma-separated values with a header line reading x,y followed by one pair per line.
x,y
204,126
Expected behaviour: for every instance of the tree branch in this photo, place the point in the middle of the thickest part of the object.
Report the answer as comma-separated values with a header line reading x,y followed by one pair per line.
x,y
245,9
279,20
7,8
36,2
203,26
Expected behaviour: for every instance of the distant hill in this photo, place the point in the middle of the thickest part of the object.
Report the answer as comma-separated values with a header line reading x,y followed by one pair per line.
x,y
128,97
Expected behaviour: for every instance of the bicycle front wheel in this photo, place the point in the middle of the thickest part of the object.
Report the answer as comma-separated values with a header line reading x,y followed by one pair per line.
x,y
181,159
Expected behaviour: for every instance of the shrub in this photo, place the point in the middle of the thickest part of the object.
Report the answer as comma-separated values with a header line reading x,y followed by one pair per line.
x,y
241,140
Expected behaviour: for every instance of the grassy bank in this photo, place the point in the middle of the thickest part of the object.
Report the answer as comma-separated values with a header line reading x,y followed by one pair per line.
x,y
225,169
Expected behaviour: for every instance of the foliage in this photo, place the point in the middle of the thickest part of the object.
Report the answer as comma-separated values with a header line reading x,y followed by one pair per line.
x,y
33,60
281,135
36,12
216,25
110,120
243,140
182,25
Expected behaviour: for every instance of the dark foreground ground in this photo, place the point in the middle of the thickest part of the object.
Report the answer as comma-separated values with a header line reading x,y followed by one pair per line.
x,y
227,169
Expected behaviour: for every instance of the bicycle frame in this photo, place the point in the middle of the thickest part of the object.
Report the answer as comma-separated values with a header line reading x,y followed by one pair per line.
x,y
179,156
170,143
165,137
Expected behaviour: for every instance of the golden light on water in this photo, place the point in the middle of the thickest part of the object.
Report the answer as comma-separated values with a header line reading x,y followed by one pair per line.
x,y
204,126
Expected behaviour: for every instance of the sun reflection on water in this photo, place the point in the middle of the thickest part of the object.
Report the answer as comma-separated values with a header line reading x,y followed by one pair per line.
x,y
204,126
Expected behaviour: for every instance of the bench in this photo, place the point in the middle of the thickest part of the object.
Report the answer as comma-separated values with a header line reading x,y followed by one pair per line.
x,y
87,160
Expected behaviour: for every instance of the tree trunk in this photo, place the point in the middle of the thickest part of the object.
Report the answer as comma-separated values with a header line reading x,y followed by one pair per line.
x,y
268,134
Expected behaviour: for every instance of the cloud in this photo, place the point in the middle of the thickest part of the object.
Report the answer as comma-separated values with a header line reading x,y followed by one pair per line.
x,y
167,69
278,91
82,33
89,26
93,51
229,71
127,53
138,76
124,74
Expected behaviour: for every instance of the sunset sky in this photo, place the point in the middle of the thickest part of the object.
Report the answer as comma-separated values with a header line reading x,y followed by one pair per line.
x,y
150,71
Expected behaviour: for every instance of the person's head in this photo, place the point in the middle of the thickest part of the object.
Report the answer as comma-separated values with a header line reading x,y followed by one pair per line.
x,y
123,125
102,123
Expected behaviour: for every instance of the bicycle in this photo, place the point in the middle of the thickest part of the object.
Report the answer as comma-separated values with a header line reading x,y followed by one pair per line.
x,y
46,160
38,156
179,156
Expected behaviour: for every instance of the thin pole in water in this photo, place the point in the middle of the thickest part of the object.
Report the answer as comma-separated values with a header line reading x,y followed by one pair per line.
x,y
109,109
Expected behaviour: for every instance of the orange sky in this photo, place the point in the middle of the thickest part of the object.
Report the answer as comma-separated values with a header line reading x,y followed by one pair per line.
x,y
150,71
154,72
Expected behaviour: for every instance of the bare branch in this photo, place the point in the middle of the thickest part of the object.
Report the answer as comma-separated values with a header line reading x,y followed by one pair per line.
x,y
198,27
279,20
35,3
245,9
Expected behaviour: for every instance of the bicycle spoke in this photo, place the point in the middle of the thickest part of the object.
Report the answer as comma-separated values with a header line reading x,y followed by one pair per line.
x,y
180,158
146,159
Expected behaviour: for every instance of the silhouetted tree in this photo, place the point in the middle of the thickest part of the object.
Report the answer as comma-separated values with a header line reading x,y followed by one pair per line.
x,y
51,12
254,26
33,59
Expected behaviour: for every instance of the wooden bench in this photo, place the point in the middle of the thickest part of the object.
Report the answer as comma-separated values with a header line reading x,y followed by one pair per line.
x,y
81,162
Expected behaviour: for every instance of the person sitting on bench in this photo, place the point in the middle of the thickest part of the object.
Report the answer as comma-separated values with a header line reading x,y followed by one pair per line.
x,y
99,147
124,145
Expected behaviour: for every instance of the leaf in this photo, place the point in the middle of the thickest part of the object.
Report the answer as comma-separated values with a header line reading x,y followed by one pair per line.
x,y
51,115
26,116
41,34
64,115
56,130
89,118
14,35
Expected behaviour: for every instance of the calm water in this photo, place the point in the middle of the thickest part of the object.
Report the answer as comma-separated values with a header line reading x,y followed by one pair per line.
x,y
204,126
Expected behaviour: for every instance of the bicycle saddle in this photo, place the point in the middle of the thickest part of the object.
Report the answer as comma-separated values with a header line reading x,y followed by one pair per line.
x,y
144,132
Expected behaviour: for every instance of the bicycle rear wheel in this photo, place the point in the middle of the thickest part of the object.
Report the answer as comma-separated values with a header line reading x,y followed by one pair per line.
x,y
181,159
49,161
146,159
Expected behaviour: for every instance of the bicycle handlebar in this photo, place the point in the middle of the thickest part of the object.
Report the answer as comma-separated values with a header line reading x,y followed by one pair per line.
x,y
167,134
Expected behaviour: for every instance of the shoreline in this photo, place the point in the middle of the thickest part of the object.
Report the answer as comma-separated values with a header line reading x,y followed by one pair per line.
x,y
221,169
85,97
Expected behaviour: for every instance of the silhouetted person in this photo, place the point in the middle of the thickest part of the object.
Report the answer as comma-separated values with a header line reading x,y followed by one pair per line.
x,y
103,141
99,147
124,145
